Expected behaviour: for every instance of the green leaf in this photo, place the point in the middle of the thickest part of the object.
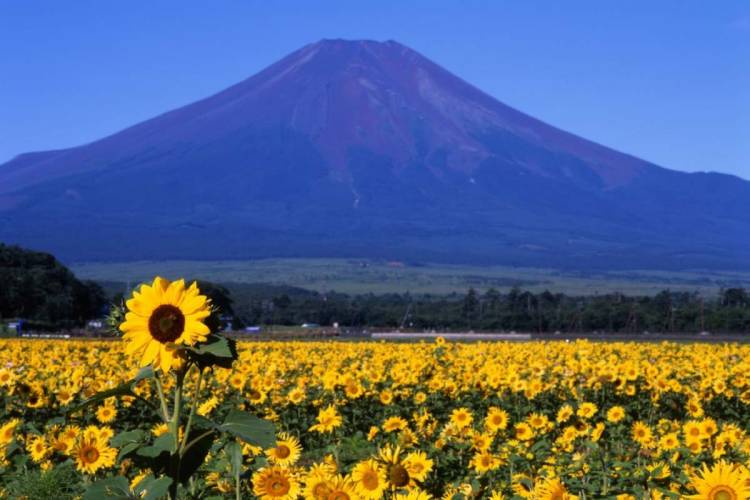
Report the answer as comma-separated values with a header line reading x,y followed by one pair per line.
x,y
235,455
127,450
156,488
123,438
121,390
124,389
215,351
145,372
115,488
162,444
250,428
195,455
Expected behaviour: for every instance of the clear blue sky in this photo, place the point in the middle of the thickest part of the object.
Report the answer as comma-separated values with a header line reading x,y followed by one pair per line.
x,y
668,81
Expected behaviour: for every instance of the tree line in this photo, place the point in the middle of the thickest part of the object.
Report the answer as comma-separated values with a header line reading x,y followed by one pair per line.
x,y
36,287
516,310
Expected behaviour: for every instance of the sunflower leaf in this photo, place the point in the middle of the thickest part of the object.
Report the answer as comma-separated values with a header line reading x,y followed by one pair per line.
x,y
215,351
156,488
195,455
128,437
110,489
127,450
164,443
121,390
124,389
250,428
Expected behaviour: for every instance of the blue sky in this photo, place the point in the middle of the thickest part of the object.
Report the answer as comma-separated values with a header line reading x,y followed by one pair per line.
x,y
668,81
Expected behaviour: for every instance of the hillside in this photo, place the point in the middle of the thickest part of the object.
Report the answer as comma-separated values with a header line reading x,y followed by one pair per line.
x,y
368,149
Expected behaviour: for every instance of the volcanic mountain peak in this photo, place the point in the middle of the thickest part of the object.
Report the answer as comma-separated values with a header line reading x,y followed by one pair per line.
x,y
367,149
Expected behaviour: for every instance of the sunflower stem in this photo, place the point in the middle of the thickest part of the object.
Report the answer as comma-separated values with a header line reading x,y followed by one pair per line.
x,y
174,425
165,413
192,410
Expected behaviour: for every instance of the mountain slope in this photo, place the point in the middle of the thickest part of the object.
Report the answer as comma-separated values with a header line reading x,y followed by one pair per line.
x,y
358,148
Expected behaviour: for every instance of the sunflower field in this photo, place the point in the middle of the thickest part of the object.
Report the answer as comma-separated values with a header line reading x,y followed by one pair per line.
x,y
349,420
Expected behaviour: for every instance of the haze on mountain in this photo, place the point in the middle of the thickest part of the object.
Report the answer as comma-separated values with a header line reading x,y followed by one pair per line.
x,y
368,149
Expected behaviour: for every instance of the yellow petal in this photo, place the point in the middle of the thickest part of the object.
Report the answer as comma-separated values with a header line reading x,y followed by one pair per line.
x,y
175,293
165,359
191,305
137,343
151,352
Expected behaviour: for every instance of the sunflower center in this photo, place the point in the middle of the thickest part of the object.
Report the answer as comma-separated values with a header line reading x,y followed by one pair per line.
x,y
282,451
90,454
370,480
399,476
722,492
321,489
166,323
279,486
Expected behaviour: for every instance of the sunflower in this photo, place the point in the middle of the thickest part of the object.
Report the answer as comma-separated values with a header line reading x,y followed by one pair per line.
x,y
38,448
461,417
396,471
496,420
615,414
275,482
564,413
106,413
296,395
92,454
587,410
484,461
418,465
522,485
318,482
552,489
415,494
6,377
341,489
641,433
524,431
8,430
369,479
723,481
669,441
392,424
163,314
328,420
538,421
286,452
208,406
65,395
692,430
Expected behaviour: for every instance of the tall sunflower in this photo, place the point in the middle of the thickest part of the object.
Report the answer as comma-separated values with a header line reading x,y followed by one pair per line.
x,y
723,481
161,315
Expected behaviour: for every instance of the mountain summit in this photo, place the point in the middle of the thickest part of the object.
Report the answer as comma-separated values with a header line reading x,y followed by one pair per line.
x,y
368,149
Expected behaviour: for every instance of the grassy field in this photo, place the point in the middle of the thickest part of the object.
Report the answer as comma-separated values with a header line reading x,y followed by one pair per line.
x,y
365,276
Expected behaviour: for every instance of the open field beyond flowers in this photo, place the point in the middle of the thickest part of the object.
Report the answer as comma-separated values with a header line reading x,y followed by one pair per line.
x,y
382,420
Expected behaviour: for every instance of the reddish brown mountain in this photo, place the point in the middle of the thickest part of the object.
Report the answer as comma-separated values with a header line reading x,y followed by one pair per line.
x,y
367,149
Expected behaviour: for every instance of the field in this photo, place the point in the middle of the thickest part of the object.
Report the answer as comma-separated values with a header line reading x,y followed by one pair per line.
x,y
403,420
366,276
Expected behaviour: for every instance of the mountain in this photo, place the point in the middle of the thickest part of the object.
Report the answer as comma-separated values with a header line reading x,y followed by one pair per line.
x,y
368,149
